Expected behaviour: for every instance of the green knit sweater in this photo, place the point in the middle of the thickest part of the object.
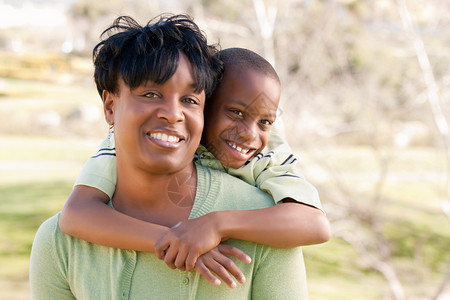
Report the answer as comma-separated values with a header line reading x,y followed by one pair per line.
x,y
64,267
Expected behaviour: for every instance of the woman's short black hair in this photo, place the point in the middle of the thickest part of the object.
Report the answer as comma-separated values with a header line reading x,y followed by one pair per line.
x,y
138,54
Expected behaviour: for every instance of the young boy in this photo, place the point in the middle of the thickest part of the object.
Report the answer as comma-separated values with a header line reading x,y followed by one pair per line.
x,y
238,119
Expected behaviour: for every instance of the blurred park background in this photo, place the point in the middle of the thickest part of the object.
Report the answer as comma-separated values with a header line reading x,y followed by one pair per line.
x,y
365,105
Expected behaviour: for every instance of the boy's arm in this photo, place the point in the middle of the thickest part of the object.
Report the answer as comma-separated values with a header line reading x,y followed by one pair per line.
x,y
299,210
274,172
298,220
87,216
286,225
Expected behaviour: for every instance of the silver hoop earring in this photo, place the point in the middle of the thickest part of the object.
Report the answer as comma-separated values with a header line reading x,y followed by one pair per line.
x,y
110,133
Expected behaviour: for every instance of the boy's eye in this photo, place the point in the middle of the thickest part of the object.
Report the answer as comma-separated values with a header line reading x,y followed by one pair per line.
x,y
266,122
236,112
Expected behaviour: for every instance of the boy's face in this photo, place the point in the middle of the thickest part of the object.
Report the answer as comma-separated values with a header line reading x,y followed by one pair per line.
x,y
239,116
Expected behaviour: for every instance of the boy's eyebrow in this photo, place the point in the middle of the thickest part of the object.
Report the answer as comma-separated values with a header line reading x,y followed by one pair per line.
x,y
268,112
239,102
246,105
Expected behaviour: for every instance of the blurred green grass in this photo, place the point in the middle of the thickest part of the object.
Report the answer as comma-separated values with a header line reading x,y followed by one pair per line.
x,y
36,176
412,219
23,209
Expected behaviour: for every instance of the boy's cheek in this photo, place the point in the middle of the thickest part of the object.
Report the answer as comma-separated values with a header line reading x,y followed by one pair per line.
x,y
231,132
264,139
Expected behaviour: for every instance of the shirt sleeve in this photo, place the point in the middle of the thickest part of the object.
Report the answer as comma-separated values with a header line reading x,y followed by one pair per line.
x,y
47,274
100,171
274,172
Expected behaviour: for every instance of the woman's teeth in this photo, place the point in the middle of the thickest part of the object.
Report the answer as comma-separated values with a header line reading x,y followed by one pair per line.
x,y
165,137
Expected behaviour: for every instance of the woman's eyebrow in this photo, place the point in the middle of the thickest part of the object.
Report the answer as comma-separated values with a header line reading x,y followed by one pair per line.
x,y
193,85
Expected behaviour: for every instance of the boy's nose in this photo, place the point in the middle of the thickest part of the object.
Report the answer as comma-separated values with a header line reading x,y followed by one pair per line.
x,y
247,131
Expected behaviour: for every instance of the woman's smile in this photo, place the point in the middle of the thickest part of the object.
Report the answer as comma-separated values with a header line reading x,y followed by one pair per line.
x,y
166,139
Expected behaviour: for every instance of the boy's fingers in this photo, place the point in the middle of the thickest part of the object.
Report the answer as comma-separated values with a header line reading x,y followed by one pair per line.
x,y
170,256
180,259
205,272
221,272
161,248
230,268
191,259
160,253
229,250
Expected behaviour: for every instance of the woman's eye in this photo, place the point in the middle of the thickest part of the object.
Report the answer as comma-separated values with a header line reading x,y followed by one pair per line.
x,y
151,95
190,101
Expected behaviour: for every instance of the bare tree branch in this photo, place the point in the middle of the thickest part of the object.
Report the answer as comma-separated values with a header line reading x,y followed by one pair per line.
x,y
434,101
266,19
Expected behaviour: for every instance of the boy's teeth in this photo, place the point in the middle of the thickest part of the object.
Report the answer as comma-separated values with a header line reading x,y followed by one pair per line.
x,y
244,151
164,137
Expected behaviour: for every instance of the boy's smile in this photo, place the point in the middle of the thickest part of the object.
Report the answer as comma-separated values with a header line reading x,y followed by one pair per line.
x,y
241,152
239,116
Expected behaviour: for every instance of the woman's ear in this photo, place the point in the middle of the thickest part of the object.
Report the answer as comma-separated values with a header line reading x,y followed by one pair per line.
x,y
109,100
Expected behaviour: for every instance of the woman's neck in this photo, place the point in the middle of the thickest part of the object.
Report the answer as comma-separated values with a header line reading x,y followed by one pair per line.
x,y
161,199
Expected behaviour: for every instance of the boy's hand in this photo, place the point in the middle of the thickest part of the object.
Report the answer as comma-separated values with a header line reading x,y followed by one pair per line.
x,y
217,261
187,240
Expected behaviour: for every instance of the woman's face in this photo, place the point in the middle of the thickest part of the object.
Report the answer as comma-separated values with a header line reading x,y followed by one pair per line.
x,y
158,127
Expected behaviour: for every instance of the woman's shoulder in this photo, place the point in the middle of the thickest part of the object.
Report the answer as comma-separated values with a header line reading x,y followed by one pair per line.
x,y
217,176
224,191
49,227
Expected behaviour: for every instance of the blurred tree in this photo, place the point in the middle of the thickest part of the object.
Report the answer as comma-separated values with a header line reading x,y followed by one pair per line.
x,y
89,18
353,75
350,77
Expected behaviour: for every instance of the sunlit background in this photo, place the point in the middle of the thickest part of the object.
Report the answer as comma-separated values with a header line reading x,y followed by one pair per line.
x,y
365,105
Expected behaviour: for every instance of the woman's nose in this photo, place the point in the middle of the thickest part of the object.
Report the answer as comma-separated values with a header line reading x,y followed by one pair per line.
x,y
171,110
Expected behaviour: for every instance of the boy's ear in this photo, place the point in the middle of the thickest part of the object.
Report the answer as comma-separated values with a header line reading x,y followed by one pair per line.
x,y
109,100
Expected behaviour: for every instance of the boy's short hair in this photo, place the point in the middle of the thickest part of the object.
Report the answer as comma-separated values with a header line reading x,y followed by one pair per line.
x,y
138,54
244,59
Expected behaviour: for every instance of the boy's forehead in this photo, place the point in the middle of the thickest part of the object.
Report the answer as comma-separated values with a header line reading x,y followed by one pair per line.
x,y
267,89
263,104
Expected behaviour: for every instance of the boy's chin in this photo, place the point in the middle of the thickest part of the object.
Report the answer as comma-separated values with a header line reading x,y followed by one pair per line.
x,y
233,164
